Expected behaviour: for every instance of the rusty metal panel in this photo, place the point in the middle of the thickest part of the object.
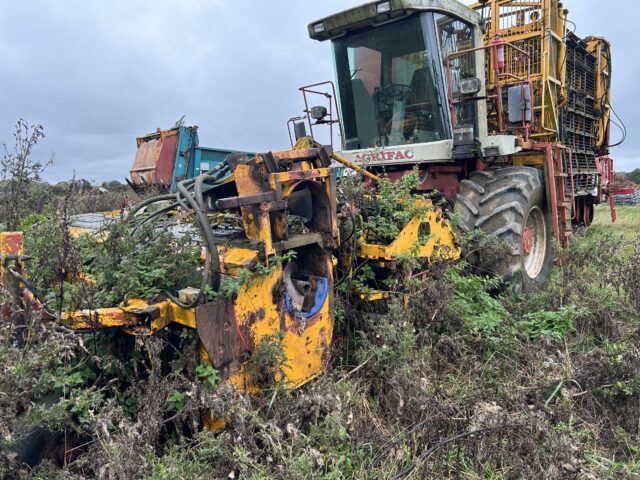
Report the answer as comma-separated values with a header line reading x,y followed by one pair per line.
x,y
244,200
308,154
145,162
167,160
155,160
220,336
11,243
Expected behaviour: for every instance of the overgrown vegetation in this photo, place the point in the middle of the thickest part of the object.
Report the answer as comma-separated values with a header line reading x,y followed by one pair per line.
x,y
393,207
21,174
454,376
24,195
121,263
548,381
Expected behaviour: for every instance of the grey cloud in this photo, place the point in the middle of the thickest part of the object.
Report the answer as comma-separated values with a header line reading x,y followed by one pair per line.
x,y
97,73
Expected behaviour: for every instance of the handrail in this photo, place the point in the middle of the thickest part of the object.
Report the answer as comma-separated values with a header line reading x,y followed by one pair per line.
x,y
498,43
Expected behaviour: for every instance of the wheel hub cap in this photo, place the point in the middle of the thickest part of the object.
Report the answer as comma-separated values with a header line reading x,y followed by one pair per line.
x,y
534,243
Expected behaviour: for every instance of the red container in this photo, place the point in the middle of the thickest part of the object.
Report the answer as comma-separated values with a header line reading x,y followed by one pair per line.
x,y
155,158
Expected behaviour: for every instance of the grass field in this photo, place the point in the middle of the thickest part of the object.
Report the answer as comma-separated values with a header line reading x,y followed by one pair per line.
x,y
627,223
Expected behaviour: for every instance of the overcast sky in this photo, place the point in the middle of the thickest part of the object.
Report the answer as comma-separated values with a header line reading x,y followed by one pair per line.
x,y
98,73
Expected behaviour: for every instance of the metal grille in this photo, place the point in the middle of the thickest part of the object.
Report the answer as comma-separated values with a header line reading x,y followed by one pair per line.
x,y
518,17
521,23
577,117
514,60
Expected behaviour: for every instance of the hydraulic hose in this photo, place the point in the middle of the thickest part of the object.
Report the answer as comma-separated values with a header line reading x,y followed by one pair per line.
x,y
190,198
207,235
149,201
155,215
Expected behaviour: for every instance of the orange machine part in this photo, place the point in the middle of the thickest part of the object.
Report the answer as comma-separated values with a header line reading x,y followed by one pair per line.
x,y
11,243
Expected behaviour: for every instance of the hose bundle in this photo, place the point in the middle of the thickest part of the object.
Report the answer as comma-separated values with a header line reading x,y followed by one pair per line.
x,y
189,198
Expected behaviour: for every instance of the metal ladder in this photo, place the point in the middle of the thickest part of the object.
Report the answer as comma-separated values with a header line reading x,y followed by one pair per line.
x,y
559,180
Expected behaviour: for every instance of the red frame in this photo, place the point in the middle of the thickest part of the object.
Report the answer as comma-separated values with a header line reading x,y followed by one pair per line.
x,y
498,43
557,194
333,118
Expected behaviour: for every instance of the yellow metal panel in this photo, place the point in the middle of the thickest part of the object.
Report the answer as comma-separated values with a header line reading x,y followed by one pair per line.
x,y
598,46
305,342
537,27
441,242
99,318
129,317
297,175
536,160
246,183
234,258
257,225
374,296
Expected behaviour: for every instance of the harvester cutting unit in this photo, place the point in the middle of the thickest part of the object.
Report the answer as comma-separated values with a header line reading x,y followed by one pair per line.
x,y
498,108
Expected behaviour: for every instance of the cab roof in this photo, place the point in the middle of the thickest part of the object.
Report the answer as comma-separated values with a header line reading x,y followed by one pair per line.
x,y
355,18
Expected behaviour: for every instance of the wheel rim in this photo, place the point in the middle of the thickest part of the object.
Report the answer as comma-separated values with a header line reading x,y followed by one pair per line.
x,y
534,243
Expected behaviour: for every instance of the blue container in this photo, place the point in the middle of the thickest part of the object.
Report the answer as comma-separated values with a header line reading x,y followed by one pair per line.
x,y
192,159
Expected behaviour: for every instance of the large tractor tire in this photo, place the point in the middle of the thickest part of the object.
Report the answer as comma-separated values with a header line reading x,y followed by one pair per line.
x,y
32,445
510,203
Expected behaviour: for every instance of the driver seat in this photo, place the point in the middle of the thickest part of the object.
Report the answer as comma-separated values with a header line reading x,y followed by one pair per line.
x,y
423,91
422,87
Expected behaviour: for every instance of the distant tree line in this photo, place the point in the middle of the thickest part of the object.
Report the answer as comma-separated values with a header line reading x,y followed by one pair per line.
x,y
634,176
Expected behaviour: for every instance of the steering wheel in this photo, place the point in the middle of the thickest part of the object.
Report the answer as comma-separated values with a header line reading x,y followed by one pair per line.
x,y
395,92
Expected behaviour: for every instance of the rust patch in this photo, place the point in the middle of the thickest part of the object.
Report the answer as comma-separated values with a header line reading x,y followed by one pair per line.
x,y
255,317
218,332
11,243
309,154
325,347
297,326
